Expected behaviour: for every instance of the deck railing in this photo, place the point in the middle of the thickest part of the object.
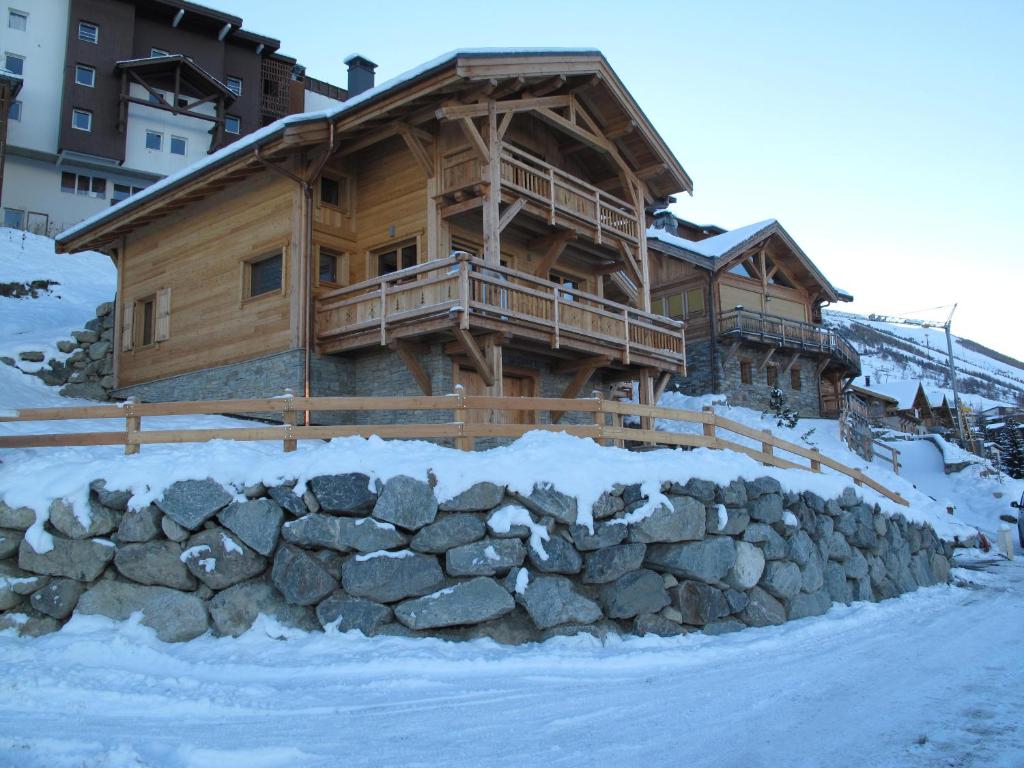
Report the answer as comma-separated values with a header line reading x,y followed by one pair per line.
x,y
788,333
563,193
607,416
466,287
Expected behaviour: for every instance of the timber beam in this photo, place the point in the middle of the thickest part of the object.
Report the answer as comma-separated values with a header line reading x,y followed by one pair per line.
x,y
789,365
766,359
476,141
576,383
597,361
555,245
510,213
733,348
660,384
411,354
475,354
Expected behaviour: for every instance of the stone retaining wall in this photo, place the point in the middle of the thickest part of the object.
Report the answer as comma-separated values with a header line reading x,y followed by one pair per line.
x,y
391,559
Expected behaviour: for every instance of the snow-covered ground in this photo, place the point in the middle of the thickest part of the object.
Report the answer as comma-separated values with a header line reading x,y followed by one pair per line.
x,y
932,678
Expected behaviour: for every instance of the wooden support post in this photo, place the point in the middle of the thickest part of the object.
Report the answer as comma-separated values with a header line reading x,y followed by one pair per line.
x,y
463,442
895,461
815,463
410,354
583,374
556,340
659,387
510,213
767,446
709,424
132,426
475,354
646,397
492,198
599,417
289,418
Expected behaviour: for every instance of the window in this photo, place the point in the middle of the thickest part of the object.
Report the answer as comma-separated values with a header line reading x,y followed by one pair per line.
x,y
154,52
746,372
15,111
156,97
17,20
566,281
794,378
329,261
14,63
80,184
145,321
234,85
179,145
81,120
232,124
85,75
154,140
13,218
771,376
334,192
264,275
122,192
88,33
396,258
694,302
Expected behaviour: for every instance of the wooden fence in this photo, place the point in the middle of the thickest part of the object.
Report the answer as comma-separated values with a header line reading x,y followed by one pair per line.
x,y
607,416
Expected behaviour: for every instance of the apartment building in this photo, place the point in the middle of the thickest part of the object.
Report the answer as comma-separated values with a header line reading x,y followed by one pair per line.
x,y
116,94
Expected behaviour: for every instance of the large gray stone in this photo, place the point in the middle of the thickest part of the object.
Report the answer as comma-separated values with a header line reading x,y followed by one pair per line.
x,y
138,525
812,575
477,498
762,609
708,561
342,494
770,542
17,518
781,579
702,490
315,530
175,616
154,563
449,532
256,522
113,499
391,576
406,502
683,521
10,540
79,559
28,624
736,520
468,602
838,548
365,534
766,509
940,568
608,564
16,582
836,584
749,565
634,593
605,535
607,505
732,495
190,503
921,569
301,577
812,604
656,624
546,500
234,610
346,613
857,565
219,559
556,555
95,520
552,600
172,530
762,486
288,500
487,557
800,548
724,627
700,603
58,598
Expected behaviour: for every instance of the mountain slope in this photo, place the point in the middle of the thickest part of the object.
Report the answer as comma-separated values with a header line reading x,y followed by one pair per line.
x,y
893,352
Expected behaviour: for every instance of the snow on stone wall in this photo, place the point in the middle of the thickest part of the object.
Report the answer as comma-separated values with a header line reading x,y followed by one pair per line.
x,y
387,558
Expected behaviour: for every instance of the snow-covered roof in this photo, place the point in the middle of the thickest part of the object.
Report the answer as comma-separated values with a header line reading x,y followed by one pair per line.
x,y
242,145
904,392
714,247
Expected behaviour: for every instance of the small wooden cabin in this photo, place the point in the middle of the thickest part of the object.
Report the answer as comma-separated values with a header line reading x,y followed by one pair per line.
x,y
751,300
478,221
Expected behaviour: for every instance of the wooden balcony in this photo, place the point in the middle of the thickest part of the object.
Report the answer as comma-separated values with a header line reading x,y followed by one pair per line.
x,y
465,292
548,193
789,334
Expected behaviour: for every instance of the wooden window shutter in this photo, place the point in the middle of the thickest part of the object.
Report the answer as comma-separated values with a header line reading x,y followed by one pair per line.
x,y
127,331
163,315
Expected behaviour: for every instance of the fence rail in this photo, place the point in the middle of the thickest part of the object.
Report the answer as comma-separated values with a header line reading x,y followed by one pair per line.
x,y
608,425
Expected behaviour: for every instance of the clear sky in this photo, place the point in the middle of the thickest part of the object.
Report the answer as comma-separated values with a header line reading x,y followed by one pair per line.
x,y
887,137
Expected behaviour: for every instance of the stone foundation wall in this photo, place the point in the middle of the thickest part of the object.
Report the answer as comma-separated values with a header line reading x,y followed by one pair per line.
x,y
390,559
806,400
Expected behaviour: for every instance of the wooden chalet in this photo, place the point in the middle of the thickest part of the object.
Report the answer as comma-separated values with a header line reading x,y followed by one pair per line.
x,y
751,300
478,221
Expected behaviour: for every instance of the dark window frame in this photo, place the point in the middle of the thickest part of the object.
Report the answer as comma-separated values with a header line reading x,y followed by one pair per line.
x,y
401,251
253,287
12,14
90,70
746,372
17,57
795,379
74,117
144,325
94,38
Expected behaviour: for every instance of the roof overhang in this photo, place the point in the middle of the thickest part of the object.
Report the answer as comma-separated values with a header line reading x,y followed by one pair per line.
x,y
411,94
191,73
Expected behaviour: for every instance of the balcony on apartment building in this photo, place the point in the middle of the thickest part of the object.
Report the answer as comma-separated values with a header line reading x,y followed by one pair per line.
x,y
743,324
465,292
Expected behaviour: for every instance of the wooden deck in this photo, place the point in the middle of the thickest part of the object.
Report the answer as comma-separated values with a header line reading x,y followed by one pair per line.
x,y
464,292
790,334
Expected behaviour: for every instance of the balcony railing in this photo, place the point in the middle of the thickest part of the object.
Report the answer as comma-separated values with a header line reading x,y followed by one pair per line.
x,y
788,333
550,190
465,290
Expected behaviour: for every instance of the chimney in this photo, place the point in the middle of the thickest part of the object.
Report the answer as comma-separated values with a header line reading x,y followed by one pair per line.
x,y
665,220
867,381
360,74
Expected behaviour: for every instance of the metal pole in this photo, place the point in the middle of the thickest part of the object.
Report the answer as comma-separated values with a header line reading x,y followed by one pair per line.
x,y
952,381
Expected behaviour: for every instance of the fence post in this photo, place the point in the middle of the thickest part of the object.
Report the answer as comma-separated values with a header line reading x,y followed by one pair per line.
x,y
599,414
895,461
463,443
709,425
290,418
815,463
132,426
767,446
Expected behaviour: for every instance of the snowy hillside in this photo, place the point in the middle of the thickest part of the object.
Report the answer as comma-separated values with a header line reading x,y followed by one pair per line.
x,y
893,352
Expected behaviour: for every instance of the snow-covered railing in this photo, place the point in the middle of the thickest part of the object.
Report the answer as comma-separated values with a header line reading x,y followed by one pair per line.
x,y
607,425
788,333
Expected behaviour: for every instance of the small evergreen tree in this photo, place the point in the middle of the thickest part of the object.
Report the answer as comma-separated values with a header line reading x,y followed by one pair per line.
x,y
778,407
1010,442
